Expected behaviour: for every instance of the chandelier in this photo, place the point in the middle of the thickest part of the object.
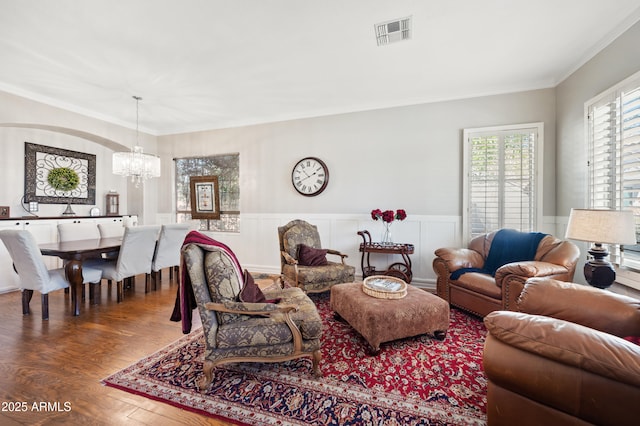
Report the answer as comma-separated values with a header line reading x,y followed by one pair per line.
x,y
135,163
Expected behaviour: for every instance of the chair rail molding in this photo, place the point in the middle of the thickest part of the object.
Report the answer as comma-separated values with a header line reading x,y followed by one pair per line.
x,y
256,245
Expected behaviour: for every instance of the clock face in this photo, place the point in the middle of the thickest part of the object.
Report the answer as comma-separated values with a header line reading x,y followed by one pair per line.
x,y
310,176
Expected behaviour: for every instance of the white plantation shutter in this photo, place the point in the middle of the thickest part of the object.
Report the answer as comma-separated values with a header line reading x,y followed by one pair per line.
x,y
613,121
502,186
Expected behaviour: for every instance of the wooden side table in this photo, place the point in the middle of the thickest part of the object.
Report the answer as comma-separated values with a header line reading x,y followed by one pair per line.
x,y
400,270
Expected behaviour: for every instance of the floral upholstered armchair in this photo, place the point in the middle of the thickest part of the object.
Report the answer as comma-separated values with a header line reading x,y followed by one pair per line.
x,y
304,262
282,325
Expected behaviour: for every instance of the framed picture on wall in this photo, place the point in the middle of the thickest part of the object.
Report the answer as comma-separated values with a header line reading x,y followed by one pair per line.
x,y
205,199
58,176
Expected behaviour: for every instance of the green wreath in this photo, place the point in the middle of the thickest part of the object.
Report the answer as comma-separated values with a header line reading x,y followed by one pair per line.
x,y
63,179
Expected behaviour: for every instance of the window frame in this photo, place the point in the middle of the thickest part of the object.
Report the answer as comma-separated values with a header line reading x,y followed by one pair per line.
x,y
538,170
228,217
612,98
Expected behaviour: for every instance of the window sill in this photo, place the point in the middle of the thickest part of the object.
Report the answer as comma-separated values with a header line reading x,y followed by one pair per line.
x,y
629,277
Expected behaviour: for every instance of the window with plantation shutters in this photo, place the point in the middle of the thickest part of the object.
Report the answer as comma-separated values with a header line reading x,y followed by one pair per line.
x,y
613,131
502,182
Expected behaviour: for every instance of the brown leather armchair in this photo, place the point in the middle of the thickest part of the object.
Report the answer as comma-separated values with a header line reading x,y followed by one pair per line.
x,y
560,361
481,293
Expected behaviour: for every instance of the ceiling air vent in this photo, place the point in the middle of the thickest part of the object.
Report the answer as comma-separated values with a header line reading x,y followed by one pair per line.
x,y
393,31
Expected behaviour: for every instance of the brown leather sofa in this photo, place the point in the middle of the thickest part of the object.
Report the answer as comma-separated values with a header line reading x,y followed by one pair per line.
x,y
481,293
560,361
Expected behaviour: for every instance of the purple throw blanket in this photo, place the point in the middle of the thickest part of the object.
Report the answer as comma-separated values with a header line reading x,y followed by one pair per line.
x,y
185,299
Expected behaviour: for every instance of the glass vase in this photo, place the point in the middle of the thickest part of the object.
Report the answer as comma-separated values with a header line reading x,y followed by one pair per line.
x,y
386,234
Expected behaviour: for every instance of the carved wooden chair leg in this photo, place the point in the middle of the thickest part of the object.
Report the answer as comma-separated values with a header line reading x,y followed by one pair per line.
x,y
204,382
317,357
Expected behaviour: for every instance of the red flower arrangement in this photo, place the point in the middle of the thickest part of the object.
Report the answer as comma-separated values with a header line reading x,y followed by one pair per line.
x,y
388,215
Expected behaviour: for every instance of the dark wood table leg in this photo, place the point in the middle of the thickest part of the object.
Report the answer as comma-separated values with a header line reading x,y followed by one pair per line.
x,y
73,269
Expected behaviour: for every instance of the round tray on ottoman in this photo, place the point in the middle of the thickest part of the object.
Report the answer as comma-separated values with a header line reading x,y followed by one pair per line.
x,y
384,287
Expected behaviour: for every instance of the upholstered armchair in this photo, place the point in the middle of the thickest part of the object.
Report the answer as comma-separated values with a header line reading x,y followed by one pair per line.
x,y
564,359
304,262
492,281
282,325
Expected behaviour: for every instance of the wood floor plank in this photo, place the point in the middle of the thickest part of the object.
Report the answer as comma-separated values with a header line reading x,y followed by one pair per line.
x,y
60,362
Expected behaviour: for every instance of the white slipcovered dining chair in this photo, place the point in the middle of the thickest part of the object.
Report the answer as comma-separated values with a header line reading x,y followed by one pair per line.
x,y
135,256
111,230
32,271
167,254
78,231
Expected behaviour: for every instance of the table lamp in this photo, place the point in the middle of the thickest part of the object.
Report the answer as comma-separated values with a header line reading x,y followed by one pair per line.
x,y
601,227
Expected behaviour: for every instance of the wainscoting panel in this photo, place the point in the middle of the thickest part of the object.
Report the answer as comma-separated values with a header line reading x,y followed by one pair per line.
x,y
257,243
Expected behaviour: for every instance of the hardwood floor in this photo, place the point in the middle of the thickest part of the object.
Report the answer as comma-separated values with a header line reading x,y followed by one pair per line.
x,y
60,362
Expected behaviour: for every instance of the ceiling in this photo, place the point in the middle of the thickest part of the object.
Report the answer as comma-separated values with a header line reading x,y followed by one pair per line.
x,y
206,64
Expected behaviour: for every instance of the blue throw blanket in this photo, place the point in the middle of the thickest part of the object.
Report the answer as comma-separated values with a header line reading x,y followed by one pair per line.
x,y
507,246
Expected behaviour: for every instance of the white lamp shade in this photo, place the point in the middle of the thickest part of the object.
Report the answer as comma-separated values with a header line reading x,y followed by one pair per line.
x,y
602,226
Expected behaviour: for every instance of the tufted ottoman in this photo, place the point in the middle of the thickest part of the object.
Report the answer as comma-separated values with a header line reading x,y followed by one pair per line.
x,y
384,320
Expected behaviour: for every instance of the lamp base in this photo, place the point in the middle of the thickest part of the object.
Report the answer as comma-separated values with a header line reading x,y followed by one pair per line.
x,y
599,272
599,275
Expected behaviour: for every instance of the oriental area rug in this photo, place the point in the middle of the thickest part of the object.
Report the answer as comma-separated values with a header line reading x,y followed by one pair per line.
x,y
413,381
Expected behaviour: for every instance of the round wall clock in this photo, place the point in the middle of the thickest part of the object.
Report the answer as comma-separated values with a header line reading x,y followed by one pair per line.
x,y
310,176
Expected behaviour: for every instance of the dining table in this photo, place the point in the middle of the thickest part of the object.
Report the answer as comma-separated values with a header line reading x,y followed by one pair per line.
x,y
74,253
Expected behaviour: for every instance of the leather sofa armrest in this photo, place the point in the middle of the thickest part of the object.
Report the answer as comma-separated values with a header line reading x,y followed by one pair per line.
x,y
599,309
570,344
457,258
529,269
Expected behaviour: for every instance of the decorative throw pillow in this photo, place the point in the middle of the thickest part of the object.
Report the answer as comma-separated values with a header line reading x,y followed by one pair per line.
x,y
309,256
251,293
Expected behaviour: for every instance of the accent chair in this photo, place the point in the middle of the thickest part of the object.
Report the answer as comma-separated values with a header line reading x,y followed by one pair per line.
x,y
284,326
304,262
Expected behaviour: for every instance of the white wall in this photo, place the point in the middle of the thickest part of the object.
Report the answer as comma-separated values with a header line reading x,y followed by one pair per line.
x,y
408,157
12,141
616,62
23,120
